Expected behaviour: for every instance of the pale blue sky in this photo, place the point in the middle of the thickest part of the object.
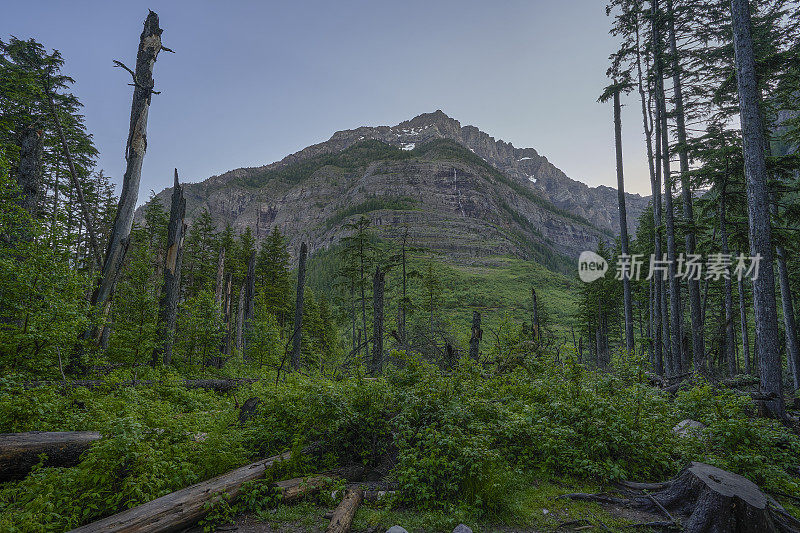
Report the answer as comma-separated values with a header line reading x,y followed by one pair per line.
x,y
254,81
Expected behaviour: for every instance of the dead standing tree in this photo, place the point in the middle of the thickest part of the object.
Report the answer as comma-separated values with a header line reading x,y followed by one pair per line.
x,y
149,47
170,292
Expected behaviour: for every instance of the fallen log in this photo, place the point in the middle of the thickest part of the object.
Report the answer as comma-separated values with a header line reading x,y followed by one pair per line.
x,y
343,515
19,452
217,385
183,508
294,489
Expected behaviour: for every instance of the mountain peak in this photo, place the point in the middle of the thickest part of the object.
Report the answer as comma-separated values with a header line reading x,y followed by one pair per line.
x,y
438,119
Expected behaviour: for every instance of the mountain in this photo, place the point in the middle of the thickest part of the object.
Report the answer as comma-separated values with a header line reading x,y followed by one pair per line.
x,y
458,191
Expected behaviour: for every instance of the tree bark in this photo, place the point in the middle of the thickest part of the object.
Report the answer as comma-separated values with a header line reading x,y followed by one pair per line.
x,y
789,325
183,508
753,146
698,341
676,347
475,338
19,452
623,225
149,47
378,284
730,340
343,515
297,333
171,290
743,325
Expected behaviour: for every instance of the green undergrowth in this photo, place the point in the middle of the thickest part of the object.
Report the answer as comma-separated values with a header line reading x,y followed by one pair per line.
x,y
462,445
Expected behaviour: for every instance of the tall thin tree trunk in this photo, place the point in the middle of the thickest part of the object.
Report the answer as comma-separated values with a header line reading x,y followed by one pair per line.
x,y
792,351
743,325
730,340
378,283
669,212
226,314
249,303
753,146
623,226
219,286
655,184
171,290
297,334
240,320
698,342
76,184
149,47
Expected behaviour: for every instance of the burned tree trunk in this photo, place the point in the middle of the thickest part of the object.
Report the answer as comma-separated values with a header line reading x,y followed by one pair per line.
x,y
149,47
19,452
378,283
297,332
170,292
753,146
475,338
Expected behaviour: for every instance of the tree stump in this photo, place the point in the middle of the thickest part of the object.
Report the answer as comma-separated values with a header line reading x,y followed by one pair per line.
x,y
709,499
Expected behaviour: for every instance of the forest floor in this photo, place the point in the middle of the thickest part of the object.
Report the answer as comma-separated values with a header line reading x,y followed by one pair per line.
x,y
544,513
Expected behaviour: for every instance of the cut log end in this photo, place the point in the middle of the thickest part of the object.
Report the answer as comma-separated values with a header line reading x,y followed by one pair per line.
x,y
707,498
343,515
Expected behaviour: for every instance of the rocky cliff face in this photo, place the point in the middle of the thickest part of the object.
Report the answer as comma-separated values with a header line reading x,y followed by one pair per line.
x,y
458,191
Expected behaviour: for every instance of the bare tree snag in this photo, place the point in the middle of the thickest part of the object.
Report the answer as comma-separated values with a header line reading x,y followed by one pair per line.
x,y
753,146
477,334
183,508
378,284
19,452
343,515
297,332
170,291
149,47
